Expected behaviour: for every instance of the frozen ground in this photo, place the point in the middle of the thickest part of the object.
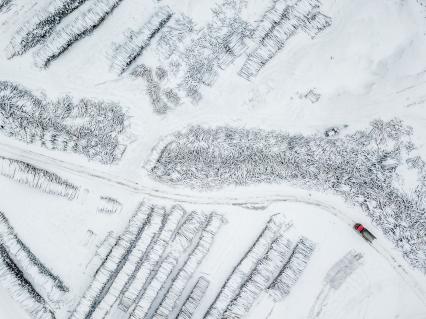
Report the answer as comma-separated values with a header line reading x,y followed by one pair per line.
x,y
367,65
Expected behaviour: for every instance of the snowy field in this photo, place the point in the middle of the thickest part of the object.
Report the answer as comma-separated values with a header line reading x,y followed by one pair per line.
x,y
192,159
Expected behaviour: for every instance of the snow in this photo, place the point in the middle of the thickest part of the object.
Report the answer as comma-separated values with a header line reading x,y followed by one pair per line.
x,y
9,308
368,64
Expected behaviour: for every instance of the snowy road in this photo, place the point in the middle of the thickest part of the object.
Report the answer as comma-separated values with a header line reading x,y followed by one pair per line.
x,y
144,188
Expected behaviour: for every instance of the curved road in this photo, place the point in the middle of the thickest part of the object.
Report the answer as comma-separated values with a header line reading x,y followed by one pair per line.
x,y
48,163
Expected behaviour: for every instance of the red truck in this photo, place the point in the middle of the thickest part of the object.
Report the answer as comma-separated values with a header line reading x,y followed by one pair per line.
x,y
365,233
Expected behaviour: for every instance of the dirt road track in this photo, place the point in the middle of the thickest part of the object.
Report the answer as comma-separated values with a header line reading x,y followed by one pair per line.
x,y
258,201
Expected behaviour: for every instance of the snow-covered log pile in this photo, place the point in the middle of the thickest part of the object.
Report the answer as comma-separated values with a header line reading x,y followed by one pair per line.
x,y
262,276
151,264
169,304
233,156
279,24
137,253
192,56
148,265
212,49
40,25
343,268
112,265
275,227
48,285
161,100
154,287
192,302
185,238
91,128
41,179
4,3
136,41
292,270
88,18
271,266
109,205
173,35
316,22
102,251
336,276
273,17
21,290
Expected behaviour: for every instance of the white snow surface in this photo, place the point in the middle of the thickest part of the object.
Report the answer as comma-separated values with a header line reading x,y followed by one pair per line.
x,y
369,64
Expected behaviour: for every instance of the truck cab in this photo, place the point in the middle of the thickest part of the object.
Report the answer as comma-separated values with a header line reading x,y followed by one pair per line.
x,y
365,233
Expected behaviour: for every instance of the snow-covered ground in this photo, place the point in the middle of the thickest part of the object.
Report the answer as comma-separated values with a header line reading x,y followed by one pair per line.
x,y
368,64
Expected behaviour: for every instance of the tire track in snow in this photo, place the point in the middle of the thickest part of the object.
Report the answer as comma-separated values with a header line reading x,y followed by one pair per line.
x,y
45,161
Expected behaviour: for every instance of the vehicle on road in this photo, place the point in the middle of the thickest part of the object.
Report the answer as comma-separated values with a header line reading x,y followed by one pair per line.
x,y
365,233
